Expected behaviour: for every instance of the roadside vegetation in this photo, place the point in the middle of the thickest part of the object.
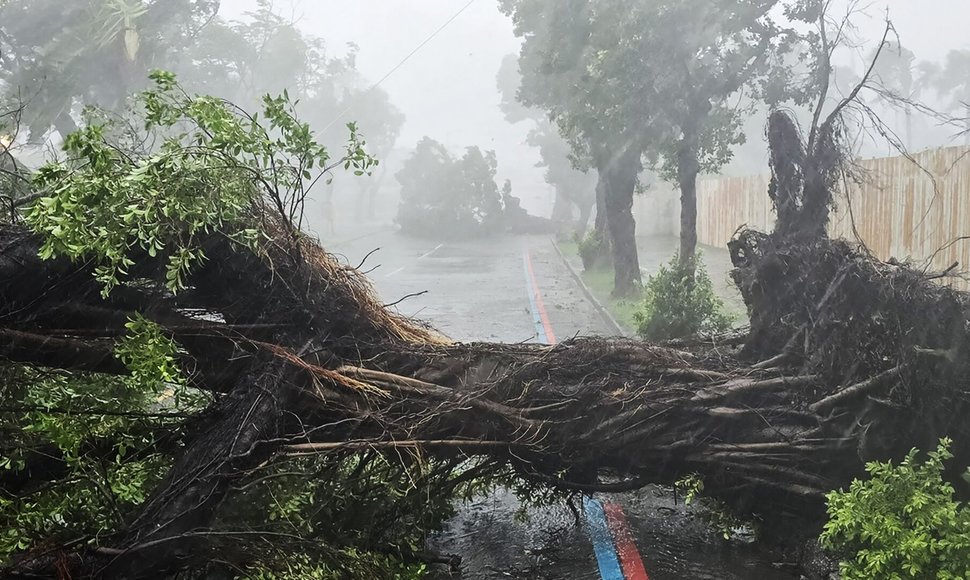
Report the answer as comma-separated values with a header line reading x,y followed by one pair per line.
x,y
447,197
598,278
676,302
191,386
903,521
679,301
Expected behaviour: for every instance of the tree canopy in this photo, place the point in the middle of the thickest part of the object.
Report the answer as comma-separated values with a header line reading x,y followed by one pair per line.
x,y
49,62
447,196
573,179
60,57
647,81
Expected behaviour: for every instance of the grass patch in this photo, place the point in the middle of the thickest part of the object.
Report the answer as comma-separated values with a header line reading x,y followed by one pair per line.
x,y
679,300
568,247
600,283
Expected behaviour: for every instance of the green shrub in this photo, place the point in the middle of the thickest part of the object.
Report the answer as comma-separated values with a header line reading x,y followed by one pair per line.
x,y
901,523
678,304
714,513
594,250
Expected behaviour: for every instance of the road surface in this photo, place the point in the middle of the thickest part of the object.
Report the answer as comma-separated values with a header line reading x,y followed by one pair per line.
x,y
479,291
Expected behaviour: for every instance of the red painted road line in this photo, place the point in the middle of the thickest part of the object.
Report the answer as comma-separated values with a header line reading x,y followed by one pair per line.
x,y
630,561
626,548
550,337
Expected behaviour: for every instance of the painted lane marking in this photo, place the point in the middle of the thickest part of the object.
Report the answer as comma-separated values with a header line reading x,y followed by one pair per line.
x,y
419,258
616,553
428,253
599,534
539,314
626,549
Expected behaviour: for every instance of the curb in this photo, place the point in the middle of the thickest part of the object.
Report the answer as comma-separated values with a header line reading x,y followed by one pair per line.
x,y
600,309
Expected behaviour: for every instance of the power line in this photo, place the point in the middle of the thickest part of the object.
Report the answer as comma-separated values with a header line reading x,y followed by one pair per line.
x,y
405,59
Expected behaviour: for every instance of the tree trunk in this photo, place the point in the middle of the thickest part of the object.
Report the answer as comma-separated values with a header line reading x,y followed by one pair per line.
x,y
327,370
562,209
595,248
621,182
599,225
687,170
585,210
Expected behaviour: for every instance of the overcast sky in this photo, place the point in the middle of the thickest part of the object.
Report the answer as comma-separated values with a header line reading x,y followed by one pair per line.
x,y
447,89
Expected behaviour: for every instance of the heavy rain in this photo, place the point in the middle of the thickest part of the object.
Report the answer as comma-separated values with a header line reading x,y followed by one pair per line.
x,y
538,289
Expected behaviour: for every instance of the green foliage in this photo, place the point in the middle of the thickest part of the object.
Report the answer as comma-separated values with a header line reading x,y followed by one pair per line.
x,y
105,441
445,196
594,250
360,515
903,522
679,301
215,167
149,355
64,55
715,514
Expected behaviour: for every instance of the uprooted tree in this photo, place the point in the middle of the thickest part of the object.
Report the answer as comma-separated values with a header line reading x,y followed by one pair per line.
x,y
191,383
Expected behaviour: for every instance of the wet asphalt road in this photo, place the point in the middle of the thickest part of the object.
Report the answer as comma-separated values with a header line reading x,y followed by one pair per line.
x,y
476,291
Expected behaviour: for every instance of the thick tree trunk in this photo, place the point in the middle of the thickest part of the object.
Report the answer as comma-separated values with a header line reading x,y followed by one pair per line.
x,y
770,428
562,209
621,184
240,435
585,211
687,170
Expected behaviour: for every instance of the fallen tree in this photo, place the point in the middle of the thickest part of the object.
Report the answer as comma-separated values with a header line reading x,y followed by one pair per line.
x,y
309,376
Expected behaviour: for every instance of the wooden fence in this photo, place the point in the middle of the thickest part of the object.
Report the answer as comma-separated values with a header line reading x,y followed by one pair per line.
x,y
910,211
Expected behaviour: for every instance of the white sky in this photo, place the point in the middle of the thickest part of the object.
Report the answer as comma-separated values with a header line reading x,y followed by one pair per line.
x,y
447,90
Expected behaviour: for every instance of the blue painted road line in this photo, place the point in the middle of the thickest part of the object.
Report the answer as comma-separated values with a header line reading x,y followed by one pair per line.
x,y
608,552
532,288
599,534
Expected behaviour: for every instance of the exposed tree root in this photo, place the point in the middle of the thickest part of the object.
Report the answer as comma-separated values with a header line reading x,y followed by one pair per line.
x,y
834,372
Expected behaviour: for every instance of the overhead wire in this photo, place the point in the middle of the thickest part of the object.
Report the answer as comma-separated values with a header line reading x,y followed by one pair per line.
x,y
405,59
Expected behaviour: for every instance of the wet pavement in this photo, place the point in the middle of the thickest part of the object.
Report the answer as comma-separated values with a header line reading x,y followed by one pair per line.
x,y
477,291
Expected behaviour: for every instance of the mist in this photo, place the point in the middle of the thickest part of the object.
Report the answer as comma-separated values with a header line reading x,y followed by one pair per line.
x,y
538,289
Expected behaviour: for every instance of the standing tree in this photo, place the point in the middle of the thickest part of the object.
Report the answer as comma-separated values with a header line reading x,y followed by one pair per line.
x,y
952,83
560,66
444,196
695,58
60,57
572,179
646,79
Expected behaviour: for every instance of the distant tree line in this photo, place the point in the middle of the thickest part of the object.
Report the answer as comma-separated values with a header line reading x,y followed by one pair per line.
x,y
59,59
458,197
